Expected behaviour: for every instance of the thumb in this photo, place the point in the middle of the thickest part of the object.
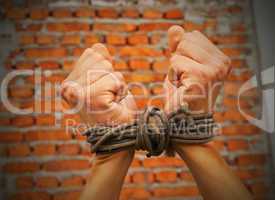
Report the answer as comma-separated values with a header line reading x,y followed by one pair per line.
x,y
175,35
102,50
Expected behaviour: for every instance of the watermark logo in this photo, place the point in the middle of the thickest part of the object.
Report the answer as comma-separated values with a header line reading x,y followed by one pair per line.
x,y
266,122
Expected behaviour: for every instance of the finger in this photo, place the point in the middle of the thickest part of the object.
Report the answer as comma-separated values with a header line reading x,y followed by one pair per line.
x,y
90,56
105,91
183,67
72,92
175,35
200,39
188,48
92,73
101,49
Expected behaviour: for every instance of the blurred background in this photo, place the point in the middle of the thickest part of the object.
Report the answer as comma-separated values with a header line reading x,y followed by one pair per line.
x,y
42,160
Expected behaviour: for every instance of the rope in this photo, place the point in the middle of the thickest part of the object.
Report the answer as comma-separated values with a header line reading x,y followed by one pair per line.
x,y
153,132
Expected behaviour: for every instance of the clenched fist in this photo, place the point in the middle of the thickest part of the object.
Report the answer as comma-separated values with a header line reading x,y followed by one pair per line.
x,y
196,73
98,92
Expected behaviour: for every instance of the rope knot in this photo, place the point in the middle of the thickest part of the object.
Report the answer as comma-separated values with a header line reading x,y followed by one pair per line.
x,y
152,133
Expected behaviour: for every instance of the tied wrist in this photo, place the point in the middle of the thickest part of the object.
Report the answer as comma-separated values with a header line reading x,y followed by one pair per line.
x,y
153,132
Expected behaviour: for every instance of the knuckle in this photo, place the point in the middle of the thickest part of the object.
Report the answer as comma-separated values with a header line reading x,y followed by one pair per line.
x,y
88,51
108,65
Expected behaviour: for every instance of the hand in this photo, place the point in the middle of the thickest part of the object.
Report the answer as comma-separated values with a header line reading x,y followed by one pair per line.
x,y
100,93
196,73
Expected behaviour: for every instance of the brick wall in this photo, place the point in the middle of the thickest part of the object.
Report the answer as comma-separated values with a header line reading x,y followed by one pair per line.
x,y
40,160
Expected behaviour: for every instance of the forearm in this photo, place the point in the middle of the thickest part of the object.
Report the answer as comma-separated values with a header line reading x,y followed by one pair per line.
x,y
213,176
108,173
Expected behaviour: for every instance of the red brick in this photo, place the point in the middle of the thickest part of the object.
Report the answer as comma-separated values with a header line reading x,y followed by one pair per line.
x,y
157,102
68,27
156,38
139,177
46,53
5,121
46,182
234,115
130,13
239,27
120,65
45,120
157,89
31,195
139,77
85,12
134,193
47,135
242,129
139,51
234,9
68,149
91,39
55,78
246,174
71,40
231,88
229,39
152,14
139,64
44,149
234,145
38,14
29,27
66,165
49,65
138,39
115,39
251,160
16,13
24,182
19,150
6,137
218,145
114,27
176,191
191,26
45,39
166,176
62,13
136,163
163,162
233,103
21,167
210,23
107,13
186,176
174,14
155,26
161,65
25,65
26,39
127,179
68,65
235,51
138,90
21,92
71,195
72,181
22,121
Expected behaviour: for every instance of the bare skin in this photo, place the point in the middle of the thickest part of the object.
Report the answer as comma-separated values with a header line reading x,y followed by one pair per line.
x,y
196,63
94,82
